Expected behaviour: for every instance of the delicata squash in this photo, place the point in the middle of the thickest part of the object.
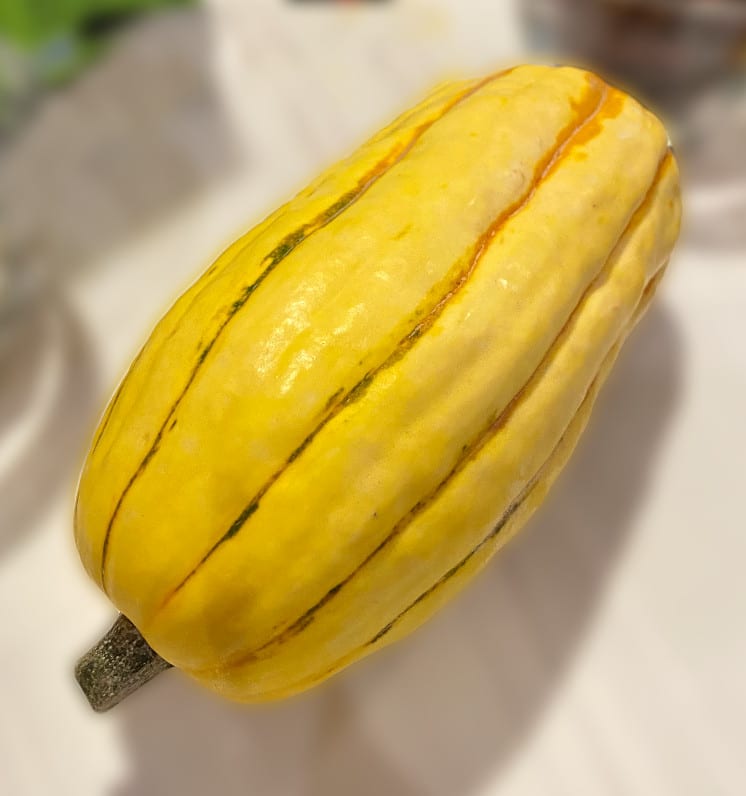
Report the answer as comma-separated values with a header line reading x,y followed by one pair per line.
x,y
370,392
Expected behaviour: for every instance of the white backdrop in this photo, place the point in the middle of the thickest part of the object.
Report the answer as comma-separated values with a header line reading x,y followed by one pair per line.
x,y
603,653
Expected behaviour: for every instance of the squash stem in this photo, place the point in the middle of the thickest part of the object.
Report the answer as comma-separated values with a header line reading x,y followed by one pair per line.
x,y
117,665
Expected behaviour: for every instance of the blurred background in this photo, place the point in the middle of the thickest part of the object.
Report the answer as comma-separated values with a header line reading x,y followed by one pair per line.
x,y
605,651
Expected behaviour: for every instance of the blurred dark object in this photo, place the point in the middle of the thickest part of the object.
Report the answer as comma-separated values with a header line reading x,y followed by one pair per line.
x,y
687,60
111,154
710,137
664,49
44,44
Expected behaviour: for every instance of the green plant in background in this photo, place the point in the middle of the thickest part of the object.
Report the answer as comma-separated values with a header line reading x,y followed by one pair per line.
x,y
44,43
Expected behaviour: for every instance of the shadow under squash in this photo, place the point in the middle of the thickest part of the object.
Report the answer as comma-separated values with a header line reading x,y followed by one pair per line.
x,y
442,712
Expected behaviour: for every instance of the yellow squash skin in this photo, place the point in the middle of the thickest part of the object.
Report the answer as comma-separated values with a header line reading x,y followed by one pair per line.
x,y
339,423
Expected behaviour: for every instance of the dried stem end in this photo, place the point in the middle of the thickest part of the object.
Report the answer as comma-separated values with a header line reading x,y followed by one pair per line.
x,y
119,664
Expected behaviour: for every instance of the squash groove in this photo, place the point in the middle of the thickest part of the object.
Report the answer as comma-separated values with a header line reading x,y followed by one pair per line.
x,y
559,452
282,250
544,168
469,451
590,396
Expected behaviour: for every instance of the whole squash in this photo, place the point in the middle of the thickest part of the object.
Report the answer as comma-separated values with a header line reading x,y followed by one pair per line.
x,y
368,394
